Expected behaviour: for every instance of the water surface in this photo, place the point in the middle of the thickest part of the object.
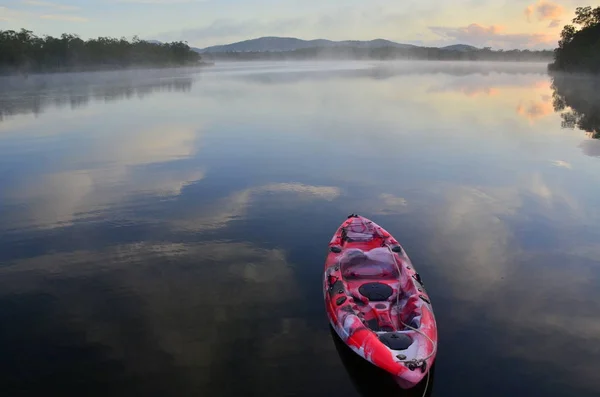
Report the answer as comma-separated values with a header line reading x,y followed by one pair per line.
x,y
163,233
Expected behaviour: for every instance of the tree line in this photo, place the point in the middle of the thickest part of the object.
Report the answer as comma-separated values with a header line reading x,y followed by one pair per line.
x,y
23,51
387,53
579,47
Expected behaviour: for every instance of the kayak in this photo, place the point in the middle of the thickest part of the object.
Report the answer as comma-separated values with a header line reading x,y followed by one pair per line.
x,y
377,303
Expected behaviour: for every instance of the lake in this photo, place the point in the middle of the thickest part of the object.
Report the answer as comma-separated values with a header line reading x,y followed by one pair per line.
x,y
163,233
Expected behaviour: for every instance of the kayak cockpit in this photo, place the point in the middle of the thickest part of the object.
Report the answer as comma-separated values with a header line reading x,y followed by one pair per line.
x,y
377,263
372,280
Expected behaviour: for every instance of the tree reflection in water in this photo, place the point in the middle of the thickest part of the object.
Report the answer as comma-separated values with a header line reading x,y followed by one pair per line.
x,y
577,97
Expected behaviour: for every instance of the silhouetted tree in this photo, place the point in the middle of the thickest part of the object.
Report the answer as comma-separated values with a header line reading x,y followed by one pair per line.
x,y
24,51
579,49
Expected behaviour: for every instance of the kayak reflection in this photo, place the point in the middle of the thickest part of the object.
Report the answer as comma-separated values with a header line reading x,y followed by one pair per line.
x,y
371,381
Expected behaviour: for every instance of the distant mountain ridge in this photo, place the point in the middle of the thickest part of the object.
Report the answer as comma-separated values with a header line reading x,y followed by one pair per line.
x,y
282,44
460,47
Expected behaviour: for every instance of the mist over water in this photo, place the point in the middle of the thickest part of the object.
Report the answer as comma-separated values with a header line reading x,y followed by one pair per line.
x,y
164,232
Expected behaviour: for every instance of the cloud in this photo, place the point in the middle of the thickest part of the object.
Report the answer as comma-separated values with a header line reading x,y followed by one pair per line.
x,y
58,199
225,283
233,29
328,193
480,230
468,91
549,11
393,201
48,4
160,1
7,14
338,23
535,110
554,23
389,204
494,36
218,213
68,18
477,86
470,227
473,30
546,11
55,199
590,147
528,13
562,163
160,144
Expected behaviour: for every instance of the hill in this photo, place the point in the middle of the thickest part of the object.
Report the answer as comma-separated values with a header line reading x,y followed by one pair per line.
x,y
290,48
460,47
277,44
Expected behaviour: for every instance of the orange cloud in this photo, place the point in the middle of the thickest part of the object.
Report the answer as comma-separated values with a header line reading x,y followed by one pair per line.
x,y
468,91
543,85
479,30
535,110
546,11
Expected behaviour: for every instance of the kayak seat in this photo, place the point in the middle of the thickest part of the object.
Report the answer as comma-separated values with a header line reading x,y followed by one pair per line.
x,y
396,341
376,292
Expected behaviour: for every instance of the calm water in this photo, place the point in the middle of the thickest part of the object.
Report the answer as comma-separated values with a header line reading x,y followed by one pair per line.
x,y
163,233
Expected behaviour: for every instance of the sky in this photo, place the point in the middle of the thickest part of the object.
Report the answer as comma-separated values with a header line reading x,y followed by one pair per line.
x,y
500,24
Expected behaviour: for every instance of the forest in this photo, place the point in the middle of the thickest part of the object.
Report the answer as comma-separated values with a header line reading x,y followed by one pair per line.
x,y
24,52
579,46
388,53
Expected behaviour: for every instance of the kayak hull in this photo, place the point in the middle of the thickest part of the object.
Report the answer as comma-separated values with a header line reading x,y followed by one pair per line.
x,y
380,308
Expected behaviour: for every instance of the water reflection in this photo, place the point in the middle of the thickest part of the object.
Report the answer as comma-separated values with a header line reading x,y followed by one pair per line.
x,y
578,98
99,174
505,243
175,245
34,94
156,318
371,381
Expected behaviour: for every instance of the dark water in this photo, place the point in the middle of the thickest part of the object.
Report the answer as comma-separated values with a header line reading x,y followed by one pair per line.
x,y
163,233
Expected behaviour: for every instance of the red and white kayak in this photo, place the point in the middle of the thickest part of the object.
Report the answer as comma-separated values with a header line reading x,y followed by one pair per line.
x,y
376,302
